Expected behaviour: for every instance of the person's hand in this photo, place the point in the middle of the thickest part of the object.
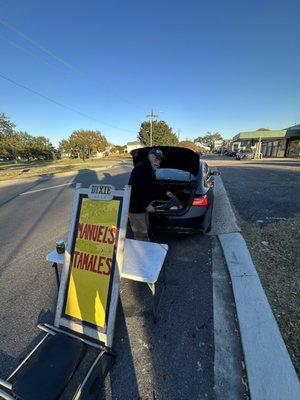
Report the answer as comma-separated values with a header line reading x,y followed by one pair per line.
x,y
169,194
150,209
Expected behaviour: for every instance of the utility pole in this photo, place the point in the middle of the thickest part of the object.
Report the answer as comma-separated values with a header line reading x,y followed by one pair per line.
x,y
151,116
178,134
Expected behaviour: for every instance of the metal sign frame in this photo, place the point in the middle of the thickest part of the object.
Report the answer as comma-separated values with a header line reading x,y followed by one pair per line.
x,y
104,336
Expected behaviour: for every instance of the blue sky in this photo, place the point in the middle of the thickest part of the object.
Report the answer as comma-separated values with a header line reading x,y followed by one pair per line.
x,y
223,66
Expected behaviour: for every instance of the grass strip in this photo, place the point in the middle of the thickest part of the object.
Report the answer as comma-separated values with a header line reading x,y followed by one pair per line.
x,y
39,168
275,250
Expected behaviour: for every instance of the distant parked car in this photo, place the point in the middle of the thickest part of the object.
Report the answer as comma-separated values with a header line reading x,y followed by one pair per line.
x,y
229,153
191,180
244,154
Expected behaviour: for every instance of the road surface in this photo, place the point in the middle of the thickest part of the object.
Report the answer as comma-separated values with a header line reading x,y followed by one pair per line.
x,y
170,359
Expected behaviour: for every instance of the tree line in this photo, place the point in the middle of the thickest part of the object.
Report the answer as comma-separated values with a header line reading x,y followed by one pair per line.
x,y
15,145
163,135
19,144
83,143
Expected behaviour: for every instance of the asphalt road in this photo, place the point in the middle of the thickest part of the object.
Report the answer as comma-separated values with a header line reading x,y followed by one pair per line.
x,y
261,190
172,359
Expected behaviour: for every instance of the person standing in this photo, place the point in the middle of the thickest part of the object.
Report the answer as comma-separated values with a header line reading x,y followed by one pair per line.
x,y
144,190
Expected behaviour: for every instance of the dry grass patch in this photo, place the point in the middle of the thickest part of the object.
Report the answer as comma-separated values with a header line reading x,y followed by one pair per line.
x,y
275,250
38,168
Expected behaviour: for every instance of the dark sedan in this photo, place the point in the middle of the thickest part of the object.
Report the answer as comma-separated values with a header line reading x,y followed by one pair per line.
x,y
190,179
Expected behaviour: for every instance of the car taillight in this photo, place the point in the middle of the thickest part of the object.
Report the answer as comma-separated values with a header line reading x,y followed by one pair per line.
x,y
200,201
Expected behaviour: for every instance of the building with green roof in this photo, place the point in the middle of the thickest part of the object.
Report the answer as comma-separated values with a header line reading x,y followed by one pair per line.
x,y
263,134
270,143
293,141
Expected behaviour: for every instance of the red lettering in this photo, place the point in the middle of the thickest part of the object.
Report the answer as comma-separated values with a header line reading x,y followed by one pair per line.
x,y
93,263
85,232
95,232
85,261
80,226
90,263
112,232
79,265
100,233
100,264
108,264
90,234
75,255
105,233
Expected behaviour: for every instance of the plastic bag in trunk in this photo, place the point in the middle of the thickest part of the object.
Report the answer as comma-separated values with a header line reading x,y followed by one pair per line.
x,y
173,204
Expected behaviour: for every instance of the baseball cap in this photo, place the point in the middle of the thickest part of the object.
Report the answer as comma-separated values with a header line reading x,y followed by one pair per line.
x,y
158,153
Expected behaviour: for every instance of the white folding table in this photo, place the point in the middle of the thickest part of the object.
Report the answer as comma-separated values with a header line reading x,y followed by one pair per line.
x,y
142,262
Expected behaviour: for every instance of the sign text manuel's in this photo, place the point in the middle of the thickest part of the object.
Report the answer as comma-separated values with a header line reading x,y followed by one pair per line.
x,y
92,261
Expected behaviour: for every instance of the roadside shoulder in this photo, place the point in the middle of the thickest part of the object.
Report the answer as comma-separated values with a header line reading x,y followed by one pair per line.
x,y
271,374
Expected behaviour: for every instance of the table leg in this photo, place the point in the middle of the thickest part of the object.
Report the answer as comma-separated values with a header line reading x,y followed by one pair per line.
x,y
156,298
56,274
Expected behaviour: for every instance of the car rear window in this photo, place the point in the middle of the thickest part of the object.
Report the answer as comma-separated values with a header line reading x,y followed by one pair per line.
x,y
174,174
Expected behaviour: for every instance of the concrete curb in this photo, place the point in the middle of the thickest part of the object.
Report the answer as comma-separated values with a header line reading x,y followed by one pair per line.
x,y
271,374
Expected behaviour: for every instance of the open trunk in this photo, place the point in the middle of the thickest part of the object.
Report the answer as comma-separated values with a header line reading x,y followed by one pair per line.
x,y
184,192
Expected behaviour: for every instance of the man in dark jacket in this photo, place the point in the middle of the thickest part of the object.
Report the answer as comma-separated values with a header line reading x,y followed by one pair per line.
x,y
144,190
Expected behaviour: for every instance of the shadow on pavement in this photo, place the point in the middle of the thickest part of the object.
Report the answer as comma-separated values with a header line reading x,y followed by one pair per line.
x,y
26,189
173,358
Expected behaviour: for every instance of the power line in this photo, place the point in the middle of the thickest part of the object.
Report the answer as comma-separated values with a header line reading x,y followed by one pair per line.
x,y
61,104
39,46
51,54
17,46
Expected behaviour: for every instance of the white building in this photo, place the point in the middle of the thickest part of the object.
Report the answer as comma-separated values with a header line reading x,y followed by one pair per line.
x,y
218,144
133,145
203,146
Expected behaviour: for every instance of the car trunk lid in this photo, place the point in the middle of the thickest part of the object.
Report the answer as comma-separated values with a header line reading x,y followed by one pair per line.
x,y
175,157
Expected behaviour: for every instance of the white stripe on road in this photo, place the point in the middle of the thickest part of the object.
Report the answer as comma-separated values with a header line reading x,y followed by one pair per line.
x,y
47,188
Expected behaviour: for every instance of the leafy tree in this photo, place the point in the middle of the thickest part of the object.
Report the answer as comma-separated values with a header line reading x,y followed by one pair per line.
x,y
162,134
209,139
189,145
42,148
84,142
6,126
64,146
120,149
7,137
10,146
29,146
25,144
21,144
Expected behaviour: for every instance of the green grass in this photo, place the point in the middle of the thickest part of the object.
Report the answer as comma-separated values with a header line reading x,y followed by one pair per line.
x,y
20,169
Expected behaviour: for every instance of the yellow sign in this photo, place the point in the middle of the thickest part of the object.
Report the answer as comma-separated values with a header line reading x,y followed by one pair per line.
x,y
92,261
